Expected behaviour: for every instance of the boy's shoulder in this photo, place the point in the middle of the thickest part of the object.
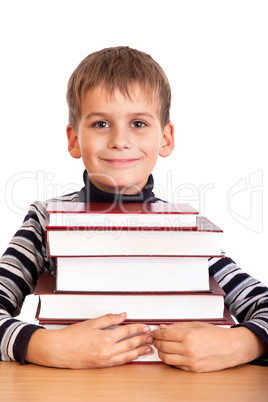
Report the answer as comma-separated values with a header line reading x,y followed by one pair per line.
x,y
39,207
72,197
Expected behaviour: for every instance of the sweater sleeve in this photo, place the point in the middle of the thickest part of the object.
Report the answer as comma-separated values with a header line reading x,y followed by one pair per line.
x,y
20,266
246,298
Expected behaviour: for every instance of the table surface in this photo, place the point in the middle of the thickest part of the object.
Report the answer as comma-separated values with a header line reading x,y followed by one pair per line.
x,y
132,382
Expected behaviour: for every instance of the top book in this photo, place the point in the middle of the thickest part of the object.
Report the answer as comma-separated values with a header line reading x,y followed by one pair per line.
x,y
62,215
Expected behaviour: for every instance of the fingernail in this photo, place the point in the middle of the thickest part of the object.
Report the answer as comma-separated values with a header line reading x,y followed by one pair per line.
x,y
122,314
146,329
150,340
163,326
148,350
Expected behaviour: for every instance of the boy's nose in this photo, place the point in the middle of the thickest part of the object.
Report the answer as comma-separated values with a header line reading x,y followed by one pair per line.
x,y
119,139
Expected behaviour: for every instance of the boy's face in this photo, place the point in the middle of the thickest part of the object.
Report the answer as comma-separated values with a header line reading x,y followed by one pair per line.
x,y
119,139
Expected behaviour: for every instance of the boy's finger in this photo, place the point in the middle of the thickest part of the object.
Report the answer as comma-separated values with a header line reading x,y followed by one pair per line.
x,y
130,355
129,330
131,343
113,321
183,324
107,320
174,334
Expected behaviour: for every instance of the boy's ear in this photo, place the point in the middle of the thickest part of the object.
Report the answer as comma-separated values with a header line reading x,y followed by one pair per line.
x,y
73,144
167,144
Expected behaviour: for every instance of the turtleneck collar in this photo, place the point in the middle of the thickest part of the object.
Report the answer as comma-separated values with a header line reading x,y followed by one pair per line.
x,y
90,193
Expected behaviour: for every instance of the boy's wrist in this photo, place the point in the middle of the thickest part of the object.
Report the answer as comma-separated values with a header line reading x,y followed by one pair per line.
x,y
41,348
249,346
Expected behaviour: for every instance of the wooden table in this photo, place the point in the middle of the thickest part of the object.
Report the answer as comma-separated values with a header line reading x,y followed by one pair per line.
x,y
132,382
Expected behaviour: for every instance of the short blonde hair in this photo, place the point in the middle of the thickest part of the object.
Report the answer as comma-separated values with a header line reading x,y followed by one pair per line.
x,y
118,68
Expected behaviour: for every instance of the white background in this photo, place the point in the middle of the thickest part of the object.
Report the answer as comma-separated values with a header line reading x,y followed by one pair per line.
x,y
215,55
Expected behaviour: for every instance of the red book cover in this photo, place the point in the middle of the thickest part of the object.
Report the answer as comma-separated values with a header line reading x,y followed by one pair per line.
x,y
62,215
122,208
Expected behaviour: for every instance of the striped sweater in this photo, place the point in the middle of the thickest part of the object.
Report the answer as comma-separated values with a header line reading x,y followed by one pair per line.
x,y
25,258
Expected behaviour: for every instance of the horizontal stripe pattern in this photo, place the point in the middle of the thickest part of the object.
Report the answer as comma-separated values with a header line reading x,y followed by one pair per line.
x,y
25,258
20,265
246,298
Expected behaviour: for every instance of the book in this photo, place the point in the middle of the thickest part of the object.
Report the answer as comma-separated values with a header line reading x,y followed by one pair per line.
x,y
139,215
133,273
203,241
153,357
139,306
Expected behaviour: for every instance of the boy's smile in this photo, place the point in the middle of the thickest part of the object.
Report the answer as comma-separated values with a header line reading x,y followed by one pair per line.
x,y
119,139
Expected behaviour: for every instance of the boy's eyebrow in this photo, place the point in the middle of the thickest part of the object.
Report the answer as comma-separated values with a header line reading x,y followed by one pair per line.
x,y
145,114
97,114
131,115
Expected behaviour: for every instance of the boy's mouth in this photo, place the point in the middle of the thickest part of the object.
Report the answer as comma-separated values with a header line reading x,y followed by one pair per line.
x,y
121,162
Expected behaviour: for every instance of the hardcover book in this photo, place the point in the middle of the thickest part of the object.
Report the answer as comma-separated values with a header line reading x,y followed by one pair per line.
x,y
203,241
138,215
139,306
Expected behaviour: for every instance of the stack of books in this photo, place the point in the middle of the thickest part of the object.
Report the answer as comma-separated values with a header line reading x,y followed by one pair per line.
x,y
150,260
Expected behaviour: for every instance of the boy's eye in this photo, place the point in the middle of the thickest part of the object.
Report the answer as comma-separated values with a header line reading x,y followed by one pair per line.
x,y
101,124
138,124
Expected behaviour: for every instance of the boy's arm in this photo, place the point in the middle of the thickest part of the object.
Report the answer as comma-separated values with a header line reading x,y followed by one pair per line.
x,y
204,347
20,266
246,299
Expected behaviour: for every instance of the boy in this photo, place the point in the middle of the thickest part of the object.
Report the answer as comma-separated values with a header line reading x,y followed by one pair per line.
x,y
119,101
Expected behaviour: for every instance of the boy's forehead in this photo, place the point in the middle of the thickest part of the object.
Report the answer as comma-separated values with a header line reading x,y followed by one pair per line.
x,y
134,92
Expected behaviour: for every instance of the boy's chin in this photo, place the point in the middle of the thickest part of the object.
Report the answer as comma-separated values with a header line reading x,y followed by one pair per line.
x,y
119,184
120,188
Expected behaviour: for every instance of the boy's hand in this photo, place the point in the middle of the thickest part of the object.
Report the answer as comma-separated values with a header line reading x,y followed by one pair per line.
x,y
201,347
89,345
